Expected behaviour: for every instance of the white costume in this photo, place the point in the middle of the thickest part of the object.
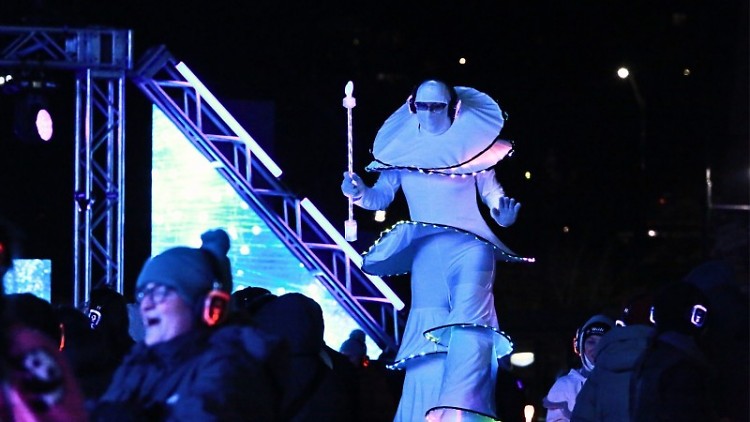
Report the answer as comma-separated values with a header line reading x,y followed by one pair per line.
x,y
561,398
452,339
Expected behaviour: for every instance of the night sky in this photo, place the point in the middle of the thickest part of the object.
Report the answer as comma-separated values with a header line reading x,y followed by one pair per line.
x,y
550,65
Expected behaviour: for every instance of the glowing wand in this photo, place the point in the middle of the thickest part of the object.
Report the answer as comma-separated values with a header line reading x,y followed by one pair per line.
x,y
350,225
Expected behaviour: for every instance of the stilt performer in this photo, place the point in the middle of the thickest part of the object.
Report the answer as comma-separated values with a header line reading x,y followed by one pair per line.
x,y
350,226
440,147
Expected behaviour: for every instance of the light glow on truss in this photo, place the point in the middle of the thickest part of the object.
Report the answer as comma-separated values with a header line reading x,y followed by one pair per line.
x,y
229,119
352,254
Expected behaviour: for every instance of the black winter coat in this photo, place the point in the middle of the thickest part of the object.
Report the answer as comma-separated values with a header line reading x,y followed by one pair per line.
x,y
204,375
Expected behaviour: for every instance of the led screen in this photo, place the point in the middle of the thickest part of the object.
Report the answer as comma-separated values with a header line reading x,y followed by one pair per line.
x,y
30,276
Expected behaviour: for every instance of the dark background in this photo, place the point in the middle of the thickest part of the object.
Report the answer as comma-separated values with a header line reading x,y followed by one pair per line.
x,y
550,65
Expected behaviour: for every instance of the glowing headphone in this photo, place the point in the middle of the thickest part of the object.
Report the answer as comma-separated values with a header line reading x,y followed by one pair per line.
x,y
597,328
95,316
215,306
696,316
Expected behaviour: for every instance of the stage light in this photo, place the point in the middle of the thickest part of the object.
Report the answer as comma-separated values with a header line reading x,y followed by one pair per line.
x,y
32,119
522,359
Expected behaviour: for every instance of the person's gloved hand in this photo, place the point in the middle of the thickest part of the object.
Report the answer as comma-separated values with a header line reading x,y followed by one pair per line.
x,y
353,186
506,212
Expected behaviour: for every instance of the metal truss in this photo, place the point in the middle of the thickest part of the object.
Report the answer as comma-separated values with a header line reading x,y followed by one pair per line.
x,y
182,97
100,60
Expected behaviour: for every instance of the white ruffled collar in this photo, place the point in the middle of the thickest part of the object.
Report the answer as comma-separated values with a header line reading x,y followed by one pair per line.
x,y
470,145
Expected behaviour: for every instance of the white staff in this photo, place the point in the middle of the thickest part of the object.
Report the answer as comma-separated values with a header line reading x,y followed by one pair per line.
x,y
350,225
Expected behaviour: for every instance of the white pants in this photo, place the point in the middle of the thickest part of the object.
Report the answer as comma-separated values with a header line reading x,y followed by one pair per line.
x,y
452,276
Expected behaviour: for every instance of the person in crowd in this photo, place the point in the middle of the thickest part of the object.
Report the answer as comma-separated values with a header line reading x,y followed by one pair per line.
x,y
355,348
189,365
316,382
37,313
107,311
440,148
725,337
561,398
605,396
97,339
377,400
92,364
37,381
671,381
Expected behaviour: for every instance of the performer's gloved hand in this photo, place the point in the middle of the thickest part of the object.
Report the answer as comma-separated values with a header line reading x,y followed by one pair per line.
x,y
506,212
353,186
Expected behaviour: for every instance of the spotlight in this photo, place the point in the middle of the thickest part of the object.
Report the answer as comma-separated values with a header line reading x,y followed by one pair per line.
x,y
32,119
522,359
32,115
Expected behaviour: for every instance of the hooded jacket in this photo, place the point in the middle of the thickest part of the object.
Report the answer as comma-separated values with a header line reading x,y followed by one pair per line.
x,y
605,396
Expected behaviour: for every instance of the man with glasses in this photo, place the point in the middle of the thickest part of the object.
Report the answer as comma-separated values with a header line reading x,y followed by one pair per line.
x,y
440,148
189,366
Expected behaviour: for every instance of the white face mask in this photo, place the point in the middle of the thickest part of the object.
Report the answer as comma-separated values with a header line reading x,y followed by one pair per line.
x,y
431,102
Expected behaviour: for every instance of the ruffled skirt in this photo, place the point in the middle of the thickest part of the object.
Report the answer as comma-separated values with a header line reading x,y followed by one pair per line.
x,y
393,253
452,340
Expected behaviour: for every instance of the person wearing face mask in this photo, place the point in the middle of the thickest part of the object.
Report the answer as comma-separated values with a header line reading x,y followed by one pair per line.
x,y
190,365
561,398
439,148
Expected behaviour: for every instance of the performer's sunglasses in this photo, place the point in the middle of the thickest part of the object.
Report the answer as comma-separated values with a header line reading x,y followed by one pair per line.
x,y
431,107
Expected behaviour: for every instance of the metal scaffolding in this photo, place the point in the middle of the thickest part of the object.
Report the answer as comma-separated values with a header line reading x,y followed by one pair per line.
x,y
100,60
182,97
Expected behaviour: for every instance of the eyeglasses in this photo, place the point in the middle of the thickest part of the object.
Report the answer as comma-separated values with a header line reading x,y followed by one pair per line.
x,y
158,293
431,107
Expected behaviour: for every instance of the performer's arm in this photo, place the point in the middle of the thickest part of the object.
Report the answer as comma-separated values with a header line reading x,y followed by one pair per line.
x,y
377,197
489,188
503,209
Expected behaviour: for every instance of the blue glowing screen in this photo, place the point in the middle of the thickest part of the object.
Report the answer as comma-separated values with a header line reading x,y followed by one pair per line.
x,y
189,197
30,276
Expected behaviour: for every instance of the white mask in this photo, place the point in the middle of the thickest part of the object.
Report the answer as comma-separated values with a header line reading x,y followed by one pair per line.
x,y
431,102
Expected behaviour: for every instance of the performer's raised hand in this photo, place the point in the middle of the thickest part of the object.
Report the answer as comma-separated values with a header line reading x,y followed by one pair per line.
x,y
353,185
506,212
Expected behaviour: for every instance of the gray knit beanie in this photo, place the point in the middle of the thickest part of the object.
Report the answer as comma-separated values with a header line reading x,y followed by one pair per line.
x,y
191,272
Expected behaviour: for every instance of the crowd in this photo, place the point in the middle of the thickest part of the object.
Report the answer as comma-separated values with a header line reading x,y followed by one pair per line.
x,y
679,353
205,354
